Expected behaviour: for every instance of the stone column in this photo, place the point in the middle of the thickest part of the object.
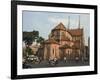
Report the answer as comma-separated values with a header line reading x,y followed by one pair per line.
x,y
45,53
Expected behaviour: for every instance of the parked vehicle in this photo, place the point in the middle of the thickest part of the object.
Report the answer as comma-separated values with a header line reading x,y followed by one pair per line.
x,y
53,62
33,59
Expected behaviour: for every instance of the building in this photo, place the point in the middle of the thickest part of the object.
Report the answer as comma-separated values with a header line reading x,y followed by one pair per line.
x,y
63,42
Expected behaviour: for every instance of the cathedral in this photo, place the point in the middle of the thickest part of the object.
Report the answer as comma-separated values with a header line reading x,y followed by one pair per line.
x,y
63,43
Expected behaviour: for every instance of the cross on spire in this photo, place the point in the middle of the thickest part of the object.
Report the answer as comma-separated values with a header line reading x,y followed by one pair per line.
x,y
68,22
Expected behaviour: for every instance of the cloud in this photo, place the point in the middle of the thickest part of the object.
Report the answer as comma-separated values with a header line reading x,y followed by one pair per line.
x,y
57,20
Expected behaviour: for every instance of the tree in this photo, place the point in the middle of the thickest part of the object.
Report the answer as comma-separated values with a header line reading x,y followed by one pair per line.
x,y
35,34
29,37
29,51
40,40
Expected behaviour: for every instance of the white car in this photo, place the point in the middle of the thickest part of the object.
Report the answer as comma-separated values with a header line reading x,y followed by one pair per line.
x,y
33,58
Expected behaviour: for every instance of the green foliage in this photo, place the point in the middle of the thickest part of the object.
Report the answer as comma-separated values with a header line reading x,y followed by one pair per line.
x,y
40,40
35,34
29,51
29,37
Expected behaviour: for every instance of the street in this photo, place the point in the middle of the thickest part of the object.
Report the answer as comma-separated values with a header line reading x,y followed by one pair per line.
x,y
45,64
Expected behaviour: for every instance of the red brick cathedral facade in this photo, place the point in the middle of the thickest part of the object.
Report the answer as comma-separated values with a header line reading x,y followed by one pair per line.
x,y
63,43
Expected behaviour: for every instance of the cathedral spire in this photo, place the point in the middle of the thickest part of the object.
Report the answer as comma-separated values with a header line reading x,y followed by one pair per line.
x,y
68,22
79,22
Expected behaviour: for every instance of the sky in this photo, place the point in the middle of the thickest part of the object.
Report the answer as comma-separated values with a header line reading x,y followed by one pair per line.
x,y
44,22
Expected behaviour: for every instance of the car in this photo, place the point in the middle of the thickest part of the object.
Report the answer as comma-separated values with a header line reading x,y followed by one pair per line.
x,y
33,59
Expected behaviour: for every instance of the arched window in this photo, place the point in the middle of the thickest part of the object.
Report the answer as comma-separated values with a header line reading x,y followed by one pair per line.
x,y
68,52
53,50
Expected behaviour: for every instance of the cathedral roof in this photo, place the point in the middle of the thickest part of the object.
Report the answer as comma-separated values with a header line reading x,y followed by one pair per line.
x,y
75,32
66,46
64,38
51,41
60,26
